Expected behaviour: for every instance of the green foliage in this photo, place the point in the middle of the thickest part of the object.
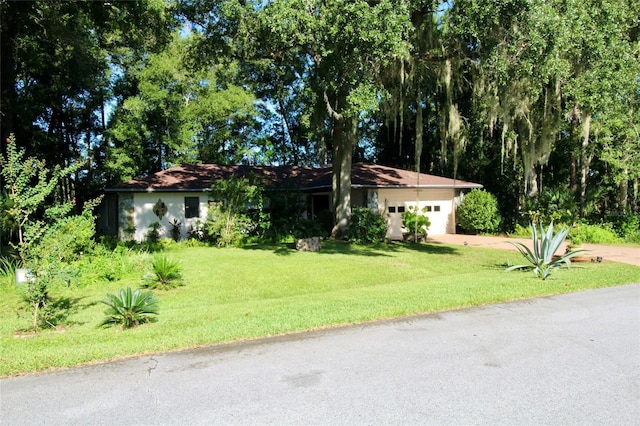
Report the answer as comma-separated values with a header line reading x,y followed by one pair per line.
x,y
367,226
237,212
479,212
286,215
545,245
179,112
553,205
594,234
103,264
28,183
48,244
165,273
36,295
176,230
153,234
520,231
8,265
129,308
416,223
626,225
67,238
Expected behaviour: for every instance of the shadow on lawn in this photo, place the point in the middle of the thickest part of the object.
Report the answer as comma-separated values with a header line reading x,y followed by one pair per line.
x,y
55,317
59,310
343,247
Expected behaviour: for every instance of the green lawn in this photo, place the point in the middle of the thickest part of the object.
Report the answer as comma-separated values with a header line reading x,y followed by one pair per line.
x,y
244,293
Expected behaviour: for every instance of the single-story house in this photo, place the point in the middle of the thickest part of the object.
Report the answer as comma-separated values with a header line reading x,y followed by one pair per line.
x,y
181,194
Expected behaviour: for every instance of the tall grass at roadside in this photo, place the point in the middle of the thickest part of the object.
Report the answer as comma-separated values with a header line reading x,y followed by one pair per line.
x,y
234,294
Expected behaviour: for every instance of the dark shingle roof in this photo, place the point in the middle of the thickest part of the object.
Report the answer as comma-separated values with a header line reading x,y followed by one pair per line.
x,y
200,177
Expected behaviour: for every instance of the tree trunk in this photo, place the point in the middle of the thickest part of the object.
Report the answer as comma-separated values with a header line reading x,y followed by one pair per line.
x,y
343,142
634,199
585,163
531,183
623,194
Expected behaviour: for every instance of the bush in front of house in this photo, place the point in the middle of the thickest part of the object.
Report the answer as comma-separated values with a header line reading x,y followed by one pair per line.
x,y
417,224
367,226
479,212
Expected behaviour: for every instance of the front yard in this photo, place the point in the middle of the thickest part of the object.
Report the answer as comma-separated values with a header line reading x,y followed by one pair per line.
x,y
244,293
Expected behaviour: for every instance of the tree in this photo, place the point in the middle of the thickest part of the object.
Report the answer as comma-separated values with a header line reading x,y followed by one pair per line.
x,y
27,185
344,46
47,237
60,62
542,74
179,113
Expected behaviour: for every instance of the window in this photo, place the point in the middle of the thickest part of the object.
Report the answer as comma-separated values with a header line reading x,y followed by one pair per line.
x,y
400,209
436,208
428,208
392,209
191,207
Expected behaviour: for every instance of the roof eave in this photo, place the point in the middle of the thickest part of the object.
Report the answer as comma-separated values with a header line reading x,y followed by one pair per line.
x,y
152,190
445,186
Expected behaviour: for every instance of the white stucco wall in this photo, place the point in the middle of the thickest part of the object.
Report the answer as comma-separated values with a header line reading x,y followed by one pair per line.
x,y
144,216
442,222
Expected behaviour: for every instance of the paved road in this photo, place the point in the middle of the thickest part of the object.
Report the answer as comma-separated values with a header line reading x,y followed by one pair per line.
x,y
570,359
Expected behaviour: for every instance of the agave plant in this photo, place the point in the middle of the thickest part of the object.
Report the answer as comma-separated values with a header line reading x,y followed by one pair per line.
x,y
543,259
165,273
129,308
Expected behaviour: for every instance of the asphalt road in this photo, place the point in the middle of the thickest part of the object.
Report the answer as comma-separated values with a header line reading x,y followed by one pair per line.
x,y
570,359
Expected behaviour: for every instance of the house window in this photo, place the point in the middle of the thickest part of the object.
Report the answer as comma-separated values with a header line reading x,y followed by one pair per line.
x,y
392,209
191,207
436,208
400,209
427,208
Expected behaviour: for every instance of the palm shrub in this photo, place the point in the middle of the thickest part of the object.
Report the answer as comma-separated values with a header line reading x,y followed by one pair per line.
x,y
129,308
542,259
165,273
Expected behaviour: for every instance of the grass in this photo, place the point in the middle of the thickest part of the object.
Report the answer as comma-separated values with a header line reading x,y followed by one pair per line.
x,y
236,294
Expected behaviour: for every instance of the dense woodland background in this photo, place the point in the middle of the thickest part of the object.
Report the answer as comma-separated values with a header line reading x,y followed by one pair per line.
x,y
538,100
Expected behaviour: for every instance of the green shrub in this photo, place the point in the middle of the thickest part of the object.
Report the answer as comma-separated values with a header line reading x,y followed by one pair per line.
x,y
286,217
478,212
165,274
237,212
129,308
416,223
542,259
520,231
153,234
367,226
102,264
626,225
176,230
553,205
594,234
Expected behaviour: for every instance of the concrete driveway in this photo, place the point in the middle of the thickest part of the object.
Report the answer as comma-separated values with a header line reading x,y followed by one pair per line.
x,y
568,359
622,254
